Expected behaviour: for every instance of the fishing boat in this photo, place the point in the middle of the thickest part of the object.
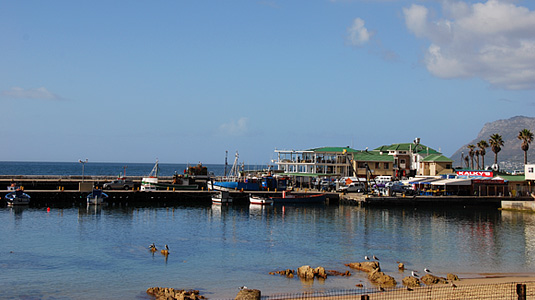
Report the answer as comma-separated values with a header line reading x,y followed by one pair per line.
x,y
96,197
287,197
151,183
259,200
18,197
234,181
221,197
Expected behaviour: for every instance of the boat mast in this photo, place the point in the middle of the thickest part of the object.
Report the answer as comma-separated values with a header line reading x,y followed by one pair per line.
x,y
234,172
155,170
226,163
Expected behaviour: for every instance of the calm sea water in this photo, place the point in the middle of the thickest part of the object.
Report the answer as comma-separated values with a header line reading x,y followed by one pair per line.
x,y
102,252
106,169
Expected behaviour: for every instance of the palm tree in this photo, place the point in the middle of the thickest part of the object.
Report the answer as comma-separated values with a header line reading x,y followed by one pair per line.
x,y
477,158
496,143
471,154
467,161
526,136
482,151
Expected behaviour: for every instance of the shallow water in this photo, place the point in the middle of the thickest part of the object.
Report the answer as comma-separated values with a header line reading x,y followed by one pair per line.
x,y
102,253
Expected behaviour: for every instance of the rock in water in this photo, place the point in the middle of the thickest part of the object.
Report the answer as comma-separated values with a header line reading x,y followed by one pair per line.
x,y
381,278
410,281
305,272
248,294
161,293
367,266
452,277
432,279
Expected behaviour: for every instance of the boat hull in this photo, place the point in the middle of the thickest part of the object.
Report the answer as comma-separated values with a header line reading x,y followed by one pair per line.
x,y
234,186
300,199
17,198
260,200
221,198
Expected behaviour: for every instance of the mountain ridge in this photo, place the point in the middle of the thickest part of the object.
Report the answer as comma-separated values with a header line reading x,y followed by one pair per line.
x,y
511,157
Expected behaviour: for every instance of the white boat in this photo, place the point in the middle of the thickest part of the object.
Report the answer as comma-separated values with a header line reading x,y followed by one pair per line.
x,y
18,197
254,199
221,197
151,183
96,197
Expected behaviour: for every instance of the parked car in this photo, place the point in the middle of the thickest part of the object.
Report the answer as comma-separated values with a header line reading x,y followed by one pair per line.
x,y
352,187
119,184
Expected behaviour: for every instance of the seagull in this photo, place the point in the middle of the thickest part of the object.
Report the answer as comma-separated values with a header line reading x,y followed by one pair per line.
x,y
366,257
382,289
414,274
243,288
427,270
152,248
375,257
453,285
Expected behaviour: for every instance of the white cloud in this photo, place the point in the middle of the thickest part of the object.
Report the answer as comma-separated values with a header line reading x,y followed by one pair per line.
x,y
494,40
357,34
38,93
235,128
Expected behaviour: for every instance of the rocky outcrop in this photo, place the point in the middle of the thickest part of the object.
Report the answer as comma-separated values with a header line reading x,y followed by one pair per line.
x,y
306,272
452,277
432,279
161,293
381,278
248,294
338,273
410,281
367,266
288,273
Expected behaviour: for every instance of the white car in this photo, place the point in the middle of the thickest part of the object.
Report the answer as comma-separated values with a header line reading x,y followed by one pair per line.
x,y
352,187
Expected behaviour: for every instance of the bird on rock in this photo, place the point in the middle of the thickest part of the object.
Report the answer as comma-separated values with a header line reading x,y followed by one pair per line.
x,y
427,270
152,248
366,257
375,257
414,274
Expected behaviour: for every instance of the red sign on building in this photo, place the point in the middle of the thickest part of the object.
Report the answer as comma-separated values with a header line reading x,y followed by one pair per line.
x,y
476,173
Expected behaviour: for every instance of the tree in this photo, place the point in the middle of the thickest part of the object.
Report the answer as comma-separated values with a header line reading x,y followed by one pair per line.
x,y
471,154
526,136
467,162
496,143
482,151
477,158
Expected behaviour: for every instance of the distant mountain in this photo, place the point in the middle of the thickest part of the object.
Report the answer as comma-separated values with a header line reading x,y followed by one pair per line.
x,y
511,157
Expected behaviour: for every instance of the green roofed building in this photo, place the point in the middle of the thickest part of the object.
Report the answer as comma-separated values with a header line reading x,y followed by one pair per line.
x,y
435,164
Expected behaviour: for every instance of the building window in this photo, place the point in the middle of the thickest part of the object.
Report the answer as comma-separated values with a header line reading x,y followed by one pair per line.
x,y
377,165
448,166
386,166
361,165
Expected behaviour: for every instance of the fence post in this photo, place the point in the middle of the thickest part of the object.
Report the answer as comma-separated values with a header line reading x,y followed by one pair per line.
x,y
521,291
364,297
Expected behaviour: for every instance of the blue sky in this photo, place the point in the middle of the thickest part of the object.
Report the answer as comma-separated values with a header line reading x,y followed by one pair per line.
x,y
184,81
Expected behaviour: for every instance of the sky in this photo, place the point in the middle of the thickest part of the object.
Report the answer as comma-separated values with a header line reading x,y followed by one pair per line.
x,y
185,81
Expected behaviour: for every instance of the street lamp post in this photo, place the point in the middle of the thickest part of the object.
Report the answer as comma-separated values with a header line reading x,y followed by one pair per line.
x,y
83,167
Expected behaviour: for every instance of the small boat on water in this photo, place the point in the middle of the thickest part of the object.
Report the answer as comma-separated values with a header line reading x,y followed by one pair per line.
x,y
96,197
221,197
287,197
259,200
18,197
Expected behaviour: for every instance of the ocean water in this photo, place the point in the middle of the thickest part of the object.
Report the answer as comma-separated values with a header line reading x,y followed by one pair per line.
x,y
105,169
102,252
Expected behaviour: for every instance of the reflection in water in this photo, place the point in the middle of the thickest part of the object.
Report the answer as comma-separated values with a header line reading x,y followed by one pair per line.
x,y
217,248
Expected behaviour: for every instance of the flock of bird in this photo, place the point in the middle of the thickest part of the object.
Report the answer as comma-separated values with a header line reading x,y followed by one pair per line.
x,y
413,273
153,249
